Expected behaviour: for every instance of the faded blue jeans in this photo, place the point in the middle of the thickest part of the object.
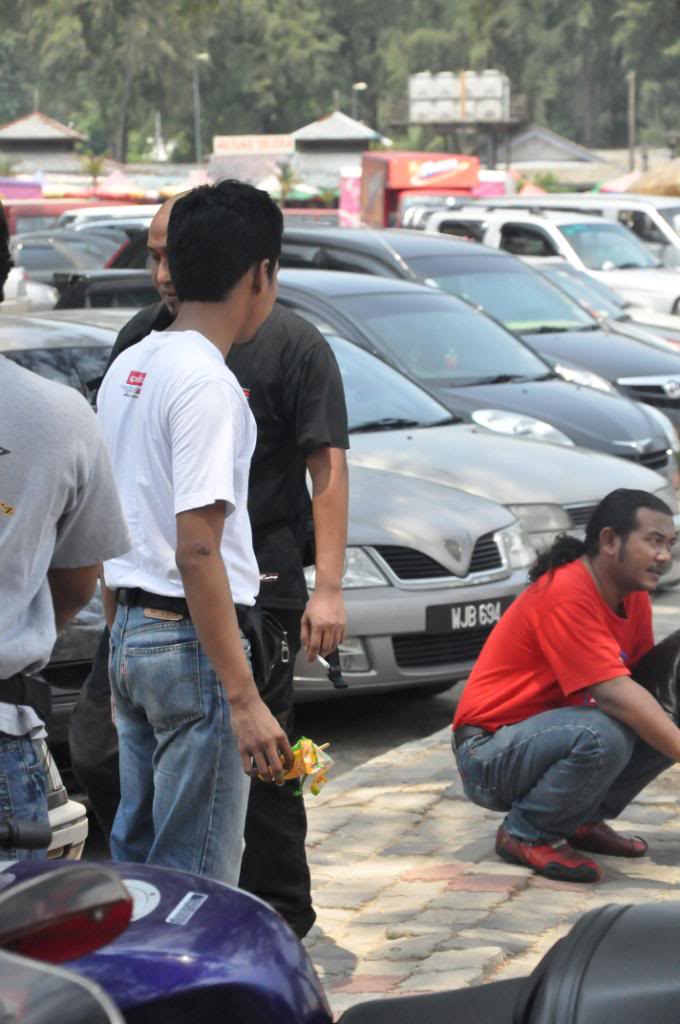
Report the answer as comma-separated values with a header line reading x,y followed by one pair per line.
x,y
183,789
557,770
23,788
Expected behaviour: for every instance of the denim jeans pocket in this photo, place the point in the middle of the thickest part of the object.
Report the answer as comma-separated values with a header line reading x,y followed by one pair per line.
x,y
165,680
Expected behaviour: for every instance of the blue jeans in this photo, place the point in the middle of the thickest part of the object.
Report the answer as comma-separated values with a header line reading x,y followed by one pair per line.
x,y
183,789
23,788
557,770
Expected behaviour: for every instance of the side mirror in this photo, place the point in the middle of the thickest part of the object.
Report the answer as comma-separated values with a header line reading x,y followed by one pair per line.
x,y
64,913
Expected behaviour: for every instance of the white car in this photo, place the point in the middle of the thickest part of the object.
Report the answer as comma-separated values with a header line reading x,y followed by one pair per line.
x,y
605,250
68,818
24,295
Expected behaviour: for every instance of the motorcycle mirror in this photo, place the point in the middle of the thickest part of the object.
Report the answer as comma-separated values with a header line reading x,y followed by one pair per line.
x,y
64,913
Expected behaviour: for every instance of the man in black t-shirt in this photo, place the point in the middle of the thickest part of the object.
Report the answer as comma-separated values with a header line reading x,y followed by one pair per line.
x,y
293,384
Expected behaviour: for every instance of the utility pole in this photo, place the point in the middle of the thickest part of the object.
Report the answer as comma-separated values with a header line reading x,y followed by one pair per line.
x,y
631,79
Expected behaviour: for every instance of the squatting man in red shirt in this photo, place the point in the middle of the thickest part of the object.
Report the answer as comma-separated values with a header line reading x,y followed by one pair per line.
x,y
553,728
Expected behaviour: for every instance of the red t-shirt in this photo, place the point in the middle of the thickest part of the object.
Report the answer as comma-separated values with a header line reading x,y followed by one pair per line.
x,y
554,642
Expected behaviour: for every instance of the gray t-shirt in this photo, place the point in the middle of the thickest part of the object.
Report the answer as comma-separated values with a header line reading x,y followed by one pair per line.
x,y
59,509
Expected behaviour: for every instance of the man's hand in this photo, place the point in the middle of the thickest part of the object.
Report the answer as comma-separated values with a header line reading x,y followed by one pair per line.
x,y
262,743
324,625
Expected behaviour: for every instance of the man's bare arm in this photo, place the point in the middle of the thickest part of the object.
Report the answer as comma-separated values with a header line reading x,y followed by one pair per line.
x,y
206,586
71,590
323,623
630,703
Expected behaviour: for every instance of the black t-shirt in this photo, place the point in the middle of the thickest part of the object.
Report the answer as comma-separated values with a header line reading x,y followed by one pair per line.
x,y
293,384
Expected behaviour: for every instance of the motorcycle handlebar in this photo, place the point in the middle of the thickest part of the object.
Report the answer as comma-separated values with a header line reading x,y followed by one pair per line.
x,y
24,835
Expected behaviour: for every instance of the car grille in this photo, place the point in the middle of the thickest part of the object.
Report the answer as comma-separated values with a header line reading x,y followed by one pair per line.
x,y
413,650
409,564
653,394
652,460
580,514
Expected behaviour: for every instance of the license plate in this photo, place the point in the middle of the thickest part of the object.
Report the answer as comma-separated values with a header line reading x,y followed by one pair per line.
x,y
457,618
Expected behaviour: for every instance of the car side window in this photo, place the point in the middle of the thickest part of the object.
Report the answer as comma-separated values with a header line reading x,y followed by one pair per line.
x,y
526,240
297,254
357,263
641,224
470,230
317,319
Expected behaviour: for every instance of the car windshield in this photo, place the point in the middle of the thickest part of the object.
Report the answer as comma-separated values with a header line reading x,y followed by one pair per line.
x,y
438,339
578,286
513,294
379,397
76,366
607,246
671,214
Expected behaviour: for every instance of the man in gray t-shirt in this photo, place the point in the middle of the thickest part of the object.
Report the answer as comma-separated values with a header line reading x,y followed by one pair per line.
x,y
59,518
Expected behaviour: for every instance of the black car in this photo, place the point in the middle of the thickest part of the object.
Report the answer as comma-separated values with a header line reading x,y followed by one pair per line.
x,y
105,289
554,324
44,253
473,365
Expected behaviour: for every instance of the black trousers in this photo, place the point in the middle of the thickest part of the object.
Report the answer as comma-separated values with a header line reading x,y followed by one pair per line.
x,y
274,865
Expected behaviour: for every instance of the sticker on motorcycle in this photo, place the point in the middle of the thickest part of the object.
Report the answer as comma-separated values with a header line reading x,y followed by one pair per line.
x,y
145,897
186,908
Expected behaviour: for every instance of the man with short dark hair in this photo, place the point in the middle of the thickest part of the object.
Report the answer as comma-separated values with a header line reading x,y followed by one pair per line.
x,y
553,727
59,516
191,725
295,393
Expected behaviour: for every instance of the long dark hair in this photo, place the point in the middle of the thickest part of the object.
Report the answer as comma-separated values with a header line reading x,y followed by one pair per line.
x,y
618,510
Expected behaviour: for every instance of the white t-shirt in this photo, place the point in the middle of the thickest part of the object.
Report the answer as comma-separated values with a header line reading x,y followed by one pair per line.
x,y
180,435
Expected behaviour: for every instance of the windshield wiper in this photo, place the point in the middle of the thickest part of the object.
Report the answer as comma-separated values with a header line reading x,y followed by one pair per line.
x,y
500,378
386,423
559,328
634,266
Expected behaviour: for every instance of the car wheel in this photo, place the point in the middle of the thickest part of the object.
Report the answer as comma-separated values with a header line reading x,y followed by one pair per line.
x,y
676,308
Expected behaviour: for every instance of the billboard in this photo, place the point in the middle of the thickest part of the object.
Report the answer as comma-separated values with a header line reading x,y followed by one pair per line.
x,y
257,145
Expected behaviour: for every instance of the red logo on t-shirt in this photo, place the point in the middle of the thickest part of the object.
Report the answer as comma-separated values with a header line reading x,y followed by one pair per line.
x,y
136,378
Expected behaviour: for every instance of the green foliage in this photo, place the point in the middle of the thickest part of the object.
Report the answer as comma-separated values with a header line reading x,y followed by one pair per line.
x,y
107,65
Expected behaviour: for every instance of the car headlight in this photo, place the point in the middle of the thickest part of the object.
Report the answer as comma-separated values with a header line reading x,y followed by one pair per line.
x,y
666,425
586,378
519,426
360,571
669,495
516,546
542,523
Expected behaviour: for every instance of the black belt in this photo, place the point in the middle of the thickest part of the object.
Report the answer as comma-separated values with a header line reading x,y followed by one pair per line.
x,y
29,691
466,732
161,602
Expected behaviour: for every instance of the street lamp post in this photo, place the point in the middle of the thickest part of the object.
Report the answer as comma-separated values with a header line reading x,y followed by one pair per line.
x,y
198,148
356,89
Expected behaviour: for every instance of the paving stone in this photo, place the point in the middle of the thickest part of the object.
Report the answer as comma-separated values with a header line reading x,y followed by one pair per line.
x,y
513,942
440,981
459,959
463,899
358,983
435,872
406,949
498,867
486,883
414,929
477,850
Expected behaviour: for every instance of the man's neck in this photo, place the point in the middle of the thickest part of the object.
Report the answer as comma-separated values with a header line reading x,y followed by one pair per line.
x,y
609,591
214,320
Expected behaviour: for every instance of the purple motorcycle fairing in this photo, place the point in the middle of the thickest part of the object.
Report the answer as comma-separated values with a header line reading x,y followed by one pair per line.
x,y
224,955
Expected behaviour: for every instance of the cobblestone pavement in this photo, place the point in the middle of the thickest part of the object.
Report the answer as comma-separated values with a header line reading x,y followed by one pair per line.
x,y
411,897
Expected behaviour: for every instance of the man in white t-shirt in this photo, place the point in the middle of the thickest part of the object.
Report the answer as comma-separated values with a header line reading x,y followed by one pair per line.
x,y
191,724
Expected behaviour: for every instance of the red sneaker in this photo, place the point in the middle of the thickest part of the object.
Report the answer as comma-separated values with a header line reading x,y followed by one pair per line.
x,y
601,838
554,860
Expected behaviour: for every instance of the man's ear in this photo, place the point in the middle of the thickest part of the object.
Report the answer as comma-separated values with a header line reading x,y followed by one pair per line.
x,y
608,541
260,276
